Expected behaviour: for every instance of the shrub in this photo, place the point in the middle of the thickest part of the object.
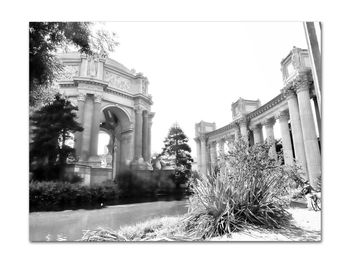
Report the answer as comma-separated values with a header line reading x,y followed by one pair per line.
x,y
250,187
48,196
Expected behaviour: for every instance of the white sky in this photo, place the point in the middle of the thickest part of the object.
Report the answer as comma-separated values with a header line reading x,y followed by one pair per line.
x,y
197,69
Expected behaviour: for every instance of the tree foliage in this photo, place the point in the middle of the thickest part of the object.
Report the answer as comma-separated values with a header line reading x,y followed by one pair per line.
x,y
46,38
52,126
176,148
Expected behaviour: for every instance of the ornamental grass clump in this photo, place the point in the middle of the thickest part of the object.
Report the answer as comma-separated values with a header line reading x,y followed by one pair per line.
x,y
249,188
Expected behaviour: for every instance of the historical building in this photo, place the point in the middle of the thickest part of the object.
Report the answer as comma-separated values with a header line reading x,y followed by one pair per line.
x,y
291,108
113,99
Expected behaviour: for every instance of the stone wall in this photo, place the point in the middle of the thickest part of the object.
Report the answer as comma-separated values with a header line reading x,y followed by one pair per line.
x,y
100,175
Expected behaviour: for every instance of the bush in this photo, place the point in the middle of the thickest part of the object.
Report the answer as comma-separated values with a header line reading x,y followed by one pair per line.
x,y
250,187
53,196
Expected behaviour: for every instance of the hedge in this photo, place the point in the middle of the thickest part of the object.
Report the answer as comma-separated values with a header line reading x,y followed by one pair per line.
x,y
54,196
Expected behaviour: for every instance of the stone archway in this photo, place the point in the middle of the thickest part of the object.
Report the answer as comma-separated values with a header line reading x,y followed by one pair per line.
x,y
117,123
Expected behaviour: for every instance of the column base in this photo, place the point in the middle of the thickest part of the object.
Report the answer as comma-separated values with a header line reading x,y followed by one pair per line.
x,y
138,164
94,161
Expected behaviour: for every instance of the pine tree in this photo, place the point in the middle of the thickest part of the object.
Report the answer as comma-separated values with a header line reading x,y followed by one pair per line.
x,y
176,148
53,125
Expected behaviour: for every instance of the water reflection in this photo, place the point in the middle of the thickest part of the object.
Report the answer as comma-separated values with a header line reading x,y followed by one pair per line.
x,y
69,225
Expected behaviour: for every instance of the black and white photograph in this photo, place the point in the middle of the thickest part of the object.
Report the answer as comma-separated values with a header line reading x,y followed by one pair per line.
x,y
175,131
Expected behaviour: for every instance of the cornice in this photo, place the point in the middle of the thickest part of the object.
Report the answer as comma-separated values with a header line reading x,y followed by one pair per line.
x,y
92,81
228,127
272,103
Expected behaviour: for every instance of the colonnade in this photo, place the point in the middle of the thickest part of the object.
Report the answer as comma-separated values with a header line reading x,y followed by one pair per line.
x,y
303,142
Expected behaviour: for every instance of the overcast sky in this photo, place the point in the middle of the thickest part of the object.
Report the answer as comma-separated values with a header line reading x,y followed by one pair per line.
x,y
197,69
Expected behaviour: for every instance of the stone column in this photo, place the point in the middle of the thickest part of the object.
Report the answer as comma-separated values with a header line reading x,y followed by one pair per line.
x,y
138,135
318,116
145,127
213,155
126,149
268,124
79,135
86,138
297,133
95,128
150,117
244,129
199,154
312,150
117,151
258,135
286,141
203,155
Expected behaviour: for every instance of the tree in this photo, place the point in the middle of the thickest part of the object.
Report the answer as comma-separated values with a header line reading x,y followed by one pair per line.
x,y
46,38
53,125
176,147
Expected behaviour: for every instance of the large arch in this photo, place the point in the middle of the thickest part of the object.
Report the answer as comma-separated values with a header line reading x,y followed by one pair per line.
x,y
117,122
120,113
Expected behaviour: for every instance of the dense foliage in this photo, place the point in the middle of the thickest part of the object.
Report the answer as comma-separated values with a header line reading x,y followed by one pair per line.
x,y
177,149
52,126
44,40
53,196
47,38
249,188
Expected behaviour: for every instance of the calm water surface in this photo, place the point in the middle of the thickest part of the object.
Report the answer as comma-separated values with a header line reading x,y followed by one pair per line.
x,y
69,225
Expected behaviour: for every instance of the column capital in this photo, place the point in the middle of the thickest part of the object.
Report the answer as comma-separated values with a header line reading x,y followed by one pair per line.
x,y
97,98
289,90
256,126
138,109
202,138
242,121
213,143
302,82
282,115
269,122
81,96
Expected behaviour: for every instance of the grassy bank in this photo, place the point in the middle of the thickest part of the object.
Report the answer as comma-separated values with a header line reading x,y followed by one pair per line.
x,y
306,226
157,229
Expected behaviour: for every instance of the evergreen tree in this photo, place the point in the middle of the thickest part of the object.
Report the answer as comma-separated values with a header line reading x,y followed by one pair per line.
x,y
52,126
176,147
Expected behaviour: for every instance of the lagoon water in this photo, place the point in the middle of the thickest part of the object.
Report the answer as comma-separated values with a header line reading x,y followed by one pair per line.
x,y
69,225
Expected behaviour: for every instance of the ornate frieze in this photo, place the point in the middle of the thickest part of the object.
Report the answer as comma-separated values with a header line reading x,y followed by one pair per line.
x,y
117,82
69,71
118,93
